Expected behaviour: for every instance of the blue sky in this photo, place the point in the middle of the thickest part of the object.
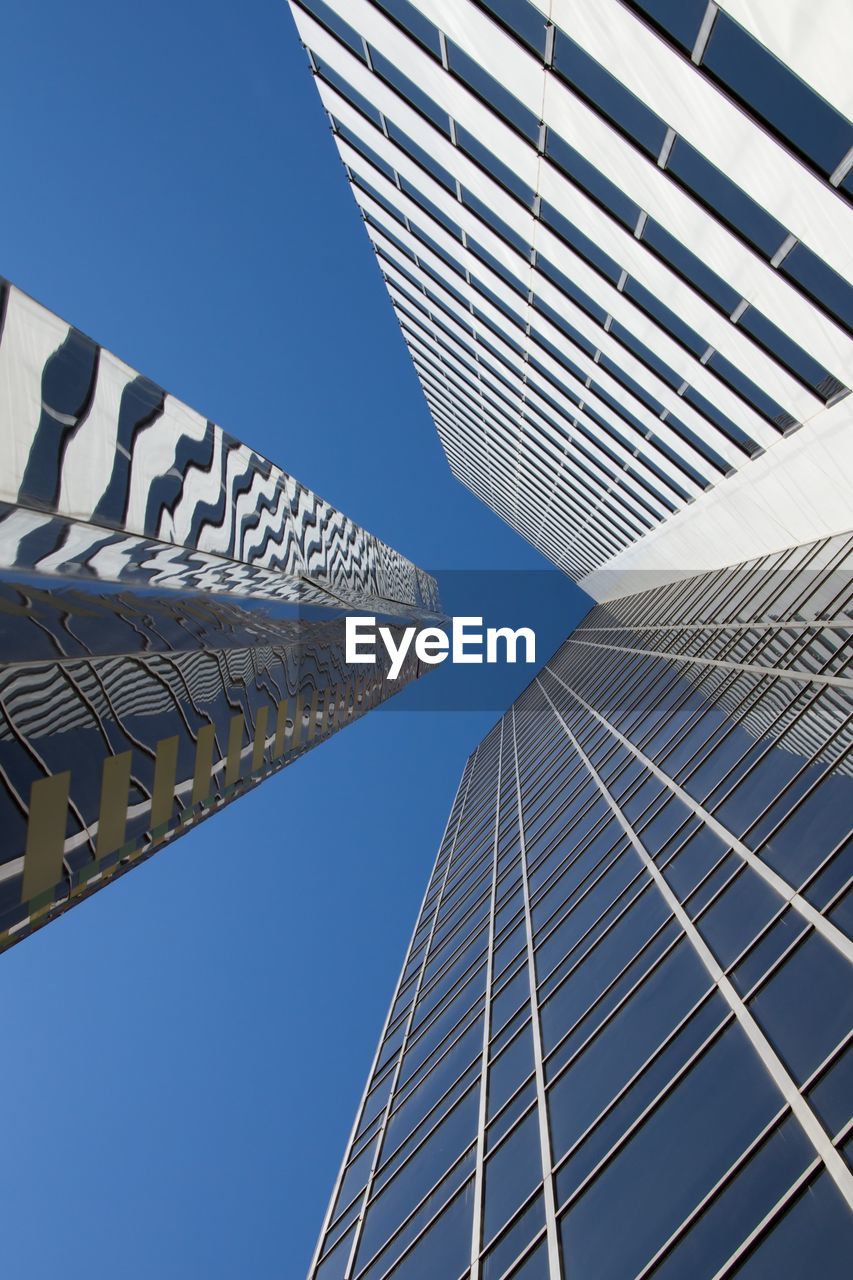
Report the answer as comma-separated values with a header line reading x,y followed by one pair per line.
x,y
185,1052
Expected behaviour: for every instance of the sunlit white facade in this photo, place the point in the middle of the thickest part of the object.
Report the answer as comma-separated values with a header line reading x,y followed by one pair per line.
x,y
618,239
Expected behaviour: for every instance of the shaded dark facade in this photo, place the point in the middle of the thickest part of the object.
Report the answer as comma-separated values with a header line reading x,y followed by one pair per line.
x,y
619,1045
127,718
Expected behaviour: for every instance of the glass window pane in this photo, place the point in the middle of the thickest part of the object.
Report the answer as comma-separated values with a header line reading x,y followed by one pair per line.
x,y
724,198
670,1163
510,1245
821,282
680,19
624,1044
523,19
787,351
814,1238
602,190
511,1174
777,95
496,95
509,1069
587,248
832,1096
415,23
410,91
446,1247
693,269
410,1185
535,1266
593,82
742,1204
807,1006
738,915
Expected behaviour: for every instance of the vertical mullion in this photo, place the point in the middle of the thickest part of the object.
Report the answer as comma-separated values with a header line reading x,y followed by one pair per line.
x,y
554,1263
374,1164
477,1222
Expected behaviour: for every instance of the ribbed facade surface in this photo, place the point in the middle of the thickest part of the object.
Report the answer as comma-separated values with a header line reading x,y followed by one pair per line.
x,y
620,1042
617,236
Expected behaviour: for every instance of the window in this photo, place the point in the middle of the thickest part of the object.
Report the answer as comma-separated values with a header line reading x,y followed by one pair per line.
x,y
821,282
667,319
806,1007
346,91
512,278
423,158
690,268
361,146
327,16
522,19
701,446
738,915
571,290
648,357
381,200
724,198
719,419
680,19
588,78
528,1224
492,92
785,350
511,1174
779,97
812,1238
630,384
430,209
414,22
562,324
728,1221
510,1069
745,387
414,96
649,1016
447,1243
406,1189
497,224
496,169
596,185
588,249
670,1163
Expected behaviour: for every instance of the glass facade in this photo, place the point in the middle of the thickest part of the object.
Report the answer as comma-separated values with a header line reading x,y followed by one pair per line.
x,y
172,617
620,1042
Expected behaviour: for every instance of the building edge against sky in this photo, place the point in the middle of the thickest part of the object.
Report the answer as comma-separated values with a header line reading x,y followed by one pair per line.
x,y
617,239
172,603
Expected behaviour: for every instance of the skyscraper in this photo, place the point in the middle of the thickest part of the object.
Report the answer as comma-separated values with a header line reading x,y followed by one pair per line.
x,y
620,1042
616,234
617,239
172,616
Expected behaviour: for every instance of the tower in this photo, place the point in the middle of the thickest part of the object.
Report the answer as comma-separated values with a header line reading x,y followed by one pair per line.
x,y
172,616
